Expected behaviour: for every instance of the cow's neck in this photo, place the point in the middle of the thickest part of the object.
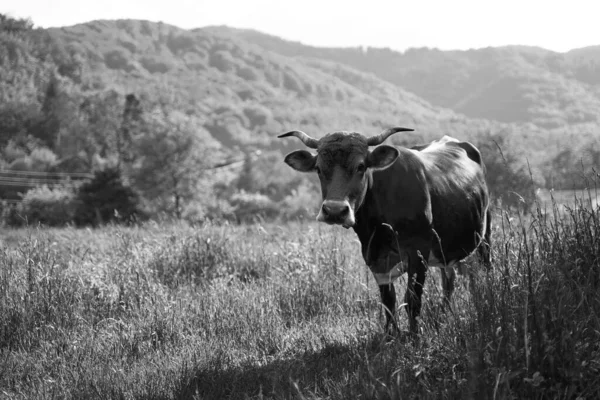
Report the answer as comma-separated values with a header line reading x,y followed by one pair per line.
x,y
368,215
370,210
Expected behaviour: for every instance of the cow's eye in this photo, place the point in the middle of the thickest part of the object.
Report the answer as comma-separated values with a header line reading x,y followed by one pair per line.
x,y
361,168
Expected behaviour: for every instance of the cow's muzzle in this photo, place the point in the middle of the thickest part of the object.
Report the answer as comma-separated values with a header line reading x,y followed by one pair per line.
x,y
336,212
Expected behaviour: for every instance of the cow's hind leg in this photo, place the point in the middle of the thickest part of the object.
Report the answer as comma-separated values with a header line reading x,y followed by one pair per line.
x,y
388,299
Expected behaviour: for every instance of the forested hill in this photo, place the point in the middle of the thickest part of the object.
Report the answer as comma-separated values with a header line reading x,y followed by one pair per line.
x,y
246,86
508,84
243,93
164,104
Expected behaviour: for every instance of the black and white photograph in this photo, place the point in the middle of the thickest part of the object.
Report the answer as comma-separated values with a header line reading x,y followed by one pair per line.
x,y
299,199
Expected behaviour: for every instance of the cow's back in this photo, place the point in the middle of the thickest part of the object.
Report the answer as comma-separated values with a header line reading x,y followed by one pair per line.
x,y
458,194
439,185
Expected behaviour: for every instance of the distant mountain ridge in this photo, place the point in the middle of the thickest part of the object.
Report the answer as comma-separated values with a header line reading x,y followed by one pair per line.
x,y
244,87
506,84
97,93
245,93
236,90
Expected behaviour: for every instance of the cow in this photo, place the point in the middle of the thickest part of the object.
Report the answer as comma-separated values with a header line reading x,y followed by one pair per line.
x,y
411,208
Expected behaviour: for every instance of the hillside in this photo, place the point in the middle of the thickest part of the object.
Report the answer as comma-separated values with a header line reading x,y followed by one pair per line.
x,y
244,94
512,84
166,105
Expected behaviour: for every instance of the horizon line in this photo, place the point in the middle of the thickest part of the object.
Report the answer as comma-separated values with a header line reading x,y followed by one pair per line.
x,y
363,46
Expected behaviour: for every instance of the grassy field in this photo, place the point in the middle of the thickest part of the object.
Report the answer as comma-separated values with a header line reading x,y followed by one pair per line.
x,y
268,311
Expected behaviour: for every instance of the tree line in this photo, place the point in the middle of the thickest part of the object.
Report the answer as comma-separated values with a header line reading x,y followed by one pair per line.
x,y
68,149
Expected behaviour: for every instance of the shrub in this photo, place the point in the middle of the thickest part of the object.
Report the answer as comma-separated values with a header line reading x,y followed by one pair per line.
x,y
42,205
247,73
12,215
157,64
257,115
303,203
180,42
42,159
291,82
49,206
222,60
510,183
218,210
106,199
118,59
252,207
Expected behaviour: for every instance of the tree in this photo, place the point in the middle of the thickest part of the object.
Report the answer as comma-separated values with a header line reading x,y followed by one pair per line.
x,y
16,119
573,166
261,174
100,116
106,199
170,162
15,26
132,124
49,127
59,116
508,180
247,179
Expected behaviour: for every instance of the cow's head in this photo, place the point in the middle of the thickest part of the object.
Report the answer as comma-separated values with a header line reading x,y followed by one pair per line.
x,y
343,163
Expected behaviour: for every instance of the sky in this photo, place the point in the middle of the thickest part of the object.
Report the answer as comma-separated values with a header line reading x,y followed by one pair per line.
x,y
558,25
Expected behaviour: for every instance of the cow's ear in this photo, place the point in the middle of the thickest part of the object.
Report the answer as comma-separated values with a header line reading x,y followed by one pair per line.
x,y
301,160
382,157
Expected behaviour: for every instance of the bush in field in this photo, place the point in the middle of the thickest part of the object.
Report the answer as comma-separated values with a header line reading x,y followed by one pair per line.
x,y
252,207
12,215
216,210
49,206
241,207
302,203
42,205
106,199
510,183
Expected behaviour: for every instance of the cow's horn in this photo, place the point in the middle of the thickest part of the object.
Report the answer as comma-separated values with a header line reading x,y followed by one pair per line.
x,y
378,139
307,140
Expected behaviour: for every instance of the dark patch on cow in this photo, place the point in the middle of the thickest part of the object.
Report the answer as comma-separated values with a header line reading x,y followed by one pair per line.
x,y
383,250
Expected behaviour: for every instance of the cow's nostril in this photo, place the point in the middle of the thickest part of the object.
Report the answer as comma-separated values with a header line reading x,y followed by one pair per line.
x,y
335,209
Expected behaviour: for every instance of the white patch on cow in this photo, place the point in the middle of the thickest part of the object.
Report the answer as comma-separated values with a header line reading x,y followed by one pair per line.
x,y
348,222
393,274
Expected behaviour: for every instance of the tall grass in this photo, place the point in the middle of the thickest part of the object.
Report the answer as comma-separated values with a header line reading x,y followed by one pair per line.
x,y
291,312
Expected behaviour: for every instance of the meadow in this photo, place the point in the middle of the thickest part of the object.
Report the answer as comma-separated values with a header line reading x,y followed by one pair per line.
x,y
290,311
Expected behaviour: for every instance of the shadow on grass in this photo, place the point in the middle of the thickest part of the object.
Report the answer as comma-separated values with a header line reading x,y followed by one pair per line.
x,y
312,372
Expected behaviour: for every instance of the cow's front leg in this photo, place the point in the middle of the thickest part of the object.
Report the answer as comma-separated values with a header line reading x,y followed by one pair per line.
x,y
414,291
388,299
